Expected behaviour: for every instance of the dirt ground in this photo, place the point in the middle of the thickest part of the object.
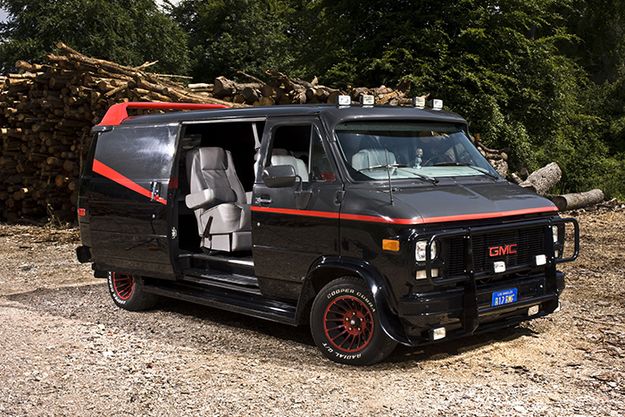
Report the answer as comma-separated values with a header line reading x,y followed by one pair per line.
x,y
65,349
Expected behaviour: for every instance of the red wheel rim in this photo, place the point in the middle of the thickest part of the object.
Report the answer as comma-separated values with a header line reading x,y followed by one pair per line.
x,y
123,285
348,324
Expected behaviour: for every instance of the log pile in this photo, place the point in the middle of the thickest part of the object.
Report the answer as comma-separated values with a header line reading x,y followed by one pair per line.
x,y
278,88
46,113
543,180
498,158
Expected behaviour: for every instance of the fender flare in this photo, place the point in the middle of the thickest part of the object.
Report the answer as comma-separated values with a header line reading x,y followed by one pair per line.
x,y
389,321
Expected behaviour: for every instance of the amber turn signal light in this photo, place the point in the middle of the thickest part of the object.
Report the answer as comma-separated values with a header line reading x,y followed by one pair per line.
x,y
390,245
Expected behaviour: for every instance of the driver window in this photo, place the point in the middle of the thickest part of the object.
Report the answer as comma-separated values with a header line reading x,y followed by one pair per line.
x,y
300,146
320,165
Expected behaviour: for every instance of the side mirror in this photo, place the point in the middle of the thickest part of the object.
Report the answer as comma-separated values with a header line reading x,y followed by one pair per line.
x,y
279,176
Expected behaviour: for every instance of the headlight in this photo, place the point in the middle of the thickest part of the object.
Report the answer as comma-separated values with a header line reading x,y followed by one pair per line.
x,y
555,232
420,250
558,246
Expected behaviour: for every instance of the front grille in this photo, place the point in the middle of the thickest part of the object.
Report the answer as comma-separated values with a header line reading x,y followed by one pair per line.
x,y
530,242
453,254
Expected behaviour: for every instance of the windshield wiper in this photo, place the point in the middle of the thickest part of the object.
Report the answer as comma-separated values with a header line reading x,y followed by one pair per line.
x,y
474,167
421,176
389,166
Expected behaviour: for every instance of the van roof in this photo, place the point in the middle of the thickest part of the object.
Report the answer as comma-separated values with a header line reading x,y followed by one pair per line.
x,y
331,113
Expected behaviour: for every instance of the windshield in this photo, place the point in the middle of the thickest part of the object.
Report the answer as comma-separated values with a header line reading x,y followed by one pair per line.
x,y
409,150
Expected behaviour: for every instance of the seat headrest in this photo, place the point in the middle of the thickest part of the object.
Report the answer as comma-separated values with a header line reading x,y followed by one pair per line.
x,y
298,164
213,159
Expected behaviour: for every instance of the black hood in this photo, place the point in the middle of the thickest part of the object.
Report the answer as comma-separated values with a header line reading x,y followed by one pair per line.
x,y
445,202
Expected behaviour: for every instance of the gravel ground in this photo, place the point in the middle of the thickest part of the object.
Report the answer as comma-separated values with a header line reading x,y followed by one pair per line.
x,y
66,350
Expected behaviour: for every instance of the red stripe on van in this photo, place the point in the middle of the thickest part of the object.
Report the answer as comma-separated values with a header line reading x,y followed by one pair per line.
x,y
415,220
309,213
489,215
110,173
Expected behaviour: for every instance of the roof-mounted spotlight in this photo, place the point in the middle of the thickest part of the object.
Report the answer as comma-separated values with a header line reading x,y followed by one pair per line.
x,y
367,100
436,104
418,102
344,101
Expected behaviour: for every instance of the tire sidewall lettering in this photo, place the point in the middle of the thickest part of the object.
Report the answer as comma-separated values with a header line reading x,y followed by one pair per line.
x,y
360,295
340,355
366,299
340,291
350,291
113,292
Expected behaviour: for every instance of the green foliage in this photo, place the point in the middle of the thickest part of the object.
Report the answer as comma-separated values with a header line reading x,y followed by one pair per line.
x,y
226,36
128,32
495,62
520,71
543,78
600,25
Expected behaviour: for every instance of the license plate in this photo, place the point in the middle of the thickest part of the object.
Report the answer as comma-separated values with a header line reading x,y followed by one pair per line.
x,y
502,297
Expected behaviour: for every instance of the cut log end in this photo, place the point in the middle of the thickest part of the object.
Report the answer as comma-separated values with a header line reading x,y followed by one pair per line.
x,y
543,179
578,200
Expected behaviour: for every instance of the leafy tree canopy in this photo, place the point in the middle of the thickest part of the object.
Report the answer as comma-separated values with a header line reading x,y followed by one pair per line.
x,y
544,78
226,36
129,32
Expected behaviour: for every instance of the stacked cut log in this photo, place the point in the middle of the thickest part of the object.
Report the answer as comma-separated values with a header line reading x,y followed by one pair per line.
x,y
498,158
278,88
46,114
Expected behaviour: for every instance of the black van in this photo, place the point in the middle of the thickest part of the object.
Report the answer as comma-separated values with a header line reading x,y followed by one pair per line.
x,y
374,225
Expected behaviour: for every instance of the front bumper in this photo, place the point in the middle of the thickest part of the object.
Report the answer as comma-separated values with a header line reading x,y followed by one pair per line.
x,y
462,317
462,303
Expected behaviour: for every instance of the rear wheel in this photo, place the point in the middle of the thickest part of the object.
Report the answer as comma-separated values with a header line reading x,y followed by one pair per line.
x,y
345,324
127,292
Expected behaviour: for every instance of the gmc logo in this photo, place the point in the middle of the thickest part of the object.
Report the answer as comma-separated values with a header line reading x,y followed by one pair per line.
x,y
502,250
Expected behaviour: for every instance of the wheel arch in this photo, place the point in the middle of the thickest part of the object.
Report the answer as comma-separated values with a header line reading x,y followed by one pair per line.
x,y
327,269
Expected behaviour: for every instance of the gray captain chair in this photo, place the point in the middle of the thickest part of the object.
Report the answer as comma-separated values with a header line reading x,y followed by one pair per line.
x,y
218,200
367,158
281,157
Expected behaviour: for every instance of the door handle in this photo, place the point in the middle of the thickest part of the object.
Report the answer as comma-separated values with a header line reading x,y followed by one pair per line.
x,y
263,199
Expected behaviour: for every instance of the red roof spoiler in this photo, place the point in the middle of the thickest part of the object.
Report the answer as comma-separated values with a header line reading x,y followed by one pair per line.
x,y
117,113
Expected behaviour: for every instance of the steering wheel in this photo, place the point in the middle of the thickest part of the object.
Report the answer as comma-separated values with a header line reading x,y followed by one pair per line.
x,y
437,159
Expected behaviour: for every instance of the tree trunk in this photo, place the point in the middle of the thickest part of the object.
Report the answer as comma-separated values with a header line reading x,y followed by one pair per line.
x,y
224,87
543,179
578,200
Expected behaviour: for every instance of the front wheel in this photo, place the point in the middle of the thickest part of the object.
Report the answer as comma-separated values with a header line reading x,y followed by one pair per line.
x,y
127,292
345,324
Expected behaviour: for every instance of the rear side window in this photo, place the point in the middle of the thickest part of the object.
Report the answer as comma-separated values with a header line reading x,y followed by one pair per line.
x,y
141,154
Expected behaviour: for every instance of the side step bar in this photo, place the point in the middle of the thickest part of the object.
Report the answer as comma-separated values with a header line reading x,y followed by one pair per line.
x,y
236,282
234,300
239,265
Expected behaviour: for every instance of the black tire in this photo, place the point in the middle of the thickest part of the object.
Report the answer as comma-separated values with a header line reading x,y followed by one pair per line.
x,y
127,292
345,324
